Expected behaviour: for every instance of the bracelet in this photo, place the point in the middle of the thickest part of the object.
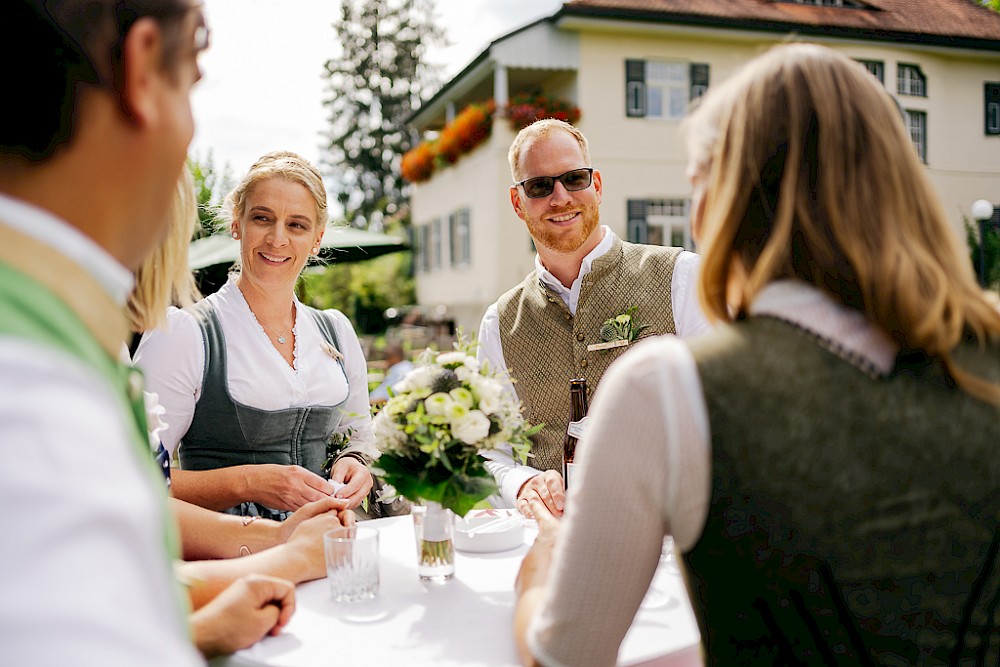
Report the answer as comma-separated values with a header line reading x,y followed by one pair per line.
x,y
247,520
361,457
245,551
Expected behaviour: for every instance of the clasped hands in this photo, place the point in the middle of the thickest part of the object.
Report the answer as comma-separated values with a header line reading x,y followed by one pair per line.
x,y
547,490
289,487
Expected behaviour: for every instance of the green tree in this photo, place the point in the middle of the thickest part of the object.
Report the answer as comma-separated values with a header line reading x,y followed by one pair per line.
x,y
374,84
991,254
211,188
992,4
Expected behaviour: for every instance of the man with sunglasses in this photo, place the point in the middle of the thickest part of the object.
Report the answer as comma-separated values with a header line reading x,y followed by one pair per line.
x,y
549,328
94,133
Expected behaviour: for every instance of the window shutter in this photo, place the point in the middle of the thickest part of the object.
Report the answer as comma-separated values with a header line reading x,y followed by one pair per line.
x,y
638,228
992,98
635,88
699,80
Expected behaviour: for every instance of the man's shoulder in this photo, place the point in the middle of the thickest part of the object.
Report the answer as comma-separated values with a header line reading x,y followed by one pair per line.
x,y
652,251
516,294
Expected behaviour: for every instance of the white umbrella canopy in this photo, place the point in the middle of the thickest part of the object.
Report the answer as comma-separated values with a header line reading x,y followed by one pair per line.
x,y
340,244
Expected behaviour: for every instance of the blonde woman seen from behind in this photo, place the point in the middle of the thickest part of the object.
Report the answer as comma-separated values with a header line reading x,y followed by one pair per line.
x,y
825,458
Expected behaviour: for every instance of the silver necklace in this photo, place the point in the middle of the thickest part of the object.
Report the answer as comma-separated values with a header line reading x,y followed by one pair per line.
x,y
281,336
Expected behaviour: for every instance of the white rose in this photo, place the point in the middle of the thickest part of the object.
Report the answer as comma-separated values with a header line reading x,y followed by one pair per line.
x,y
490,395
420,377
456,412
462,396
472,428
448,358
438,405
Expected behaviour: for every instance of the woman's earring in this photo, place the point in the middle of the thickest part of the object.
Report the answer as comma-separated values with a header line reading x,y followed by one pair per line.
x,y
314,251
236,235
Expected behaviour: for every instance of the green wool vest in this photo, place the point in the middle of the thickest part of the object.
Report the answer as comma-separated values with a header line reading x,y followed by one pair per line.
x,y
854,517
545,346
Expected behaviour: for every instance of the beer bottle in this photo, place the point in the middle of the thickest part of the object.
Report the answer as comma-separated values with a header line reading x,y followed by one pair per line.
x,y
577,417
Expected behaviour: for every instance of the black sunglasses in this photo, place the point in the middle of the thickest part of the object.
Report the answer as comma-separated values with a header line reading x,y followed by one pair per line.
x,y
572,180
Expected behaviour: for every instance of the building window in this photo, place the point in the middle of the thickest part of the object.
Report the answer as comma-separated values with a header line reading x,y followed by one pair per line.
x,y
992,98
660,222
460,243
434,245
876,68
661,89
420,263
916,123
910,81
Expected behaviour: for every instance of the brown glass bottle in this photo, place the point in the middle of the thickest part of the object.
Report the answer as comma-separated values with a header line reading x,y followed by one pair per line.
x,y
577,413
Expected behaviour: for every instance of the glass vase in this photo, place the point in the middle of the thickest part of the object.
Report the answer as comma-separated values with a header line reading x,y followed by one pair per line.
x,y
434,529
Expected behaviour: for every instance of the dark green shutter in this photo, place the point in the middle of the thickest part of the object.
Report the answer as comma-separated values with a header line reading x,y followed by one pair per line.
x,y
699,80
635,88
637,225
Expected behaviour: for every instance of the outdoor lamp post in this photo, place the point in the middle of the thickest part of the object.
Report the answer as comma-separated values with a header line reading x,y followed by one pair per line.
x,y
982,211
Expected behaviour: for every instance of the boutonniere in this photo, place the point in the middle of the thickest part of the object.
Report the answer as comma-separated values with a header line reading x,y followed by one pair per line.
x,y
619,331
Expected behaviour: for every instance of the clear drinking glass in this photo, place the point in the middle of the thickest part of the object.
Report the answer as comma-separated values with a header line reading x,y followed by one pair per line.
x,y
352,565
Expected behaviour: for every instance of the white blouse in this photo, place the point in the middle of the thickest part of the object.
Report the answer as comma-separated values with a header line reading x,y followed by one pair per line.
x,y
173,360
651,398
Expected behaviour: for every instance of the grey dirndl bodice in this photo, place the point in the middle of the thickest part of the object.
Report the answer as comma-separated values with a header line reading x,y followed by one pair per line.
x,y
224,432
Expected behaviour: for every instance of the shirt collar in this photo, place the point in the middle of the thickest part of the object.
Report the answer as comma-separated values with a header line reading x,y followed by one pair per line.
x,y
63,237
601,249
848,330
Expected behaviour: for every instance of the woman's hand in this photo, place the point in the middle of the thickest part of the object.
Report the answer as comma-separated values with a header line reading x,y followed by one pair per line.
x,y
328,505
305,545
248,609
284,487
547,487
355,475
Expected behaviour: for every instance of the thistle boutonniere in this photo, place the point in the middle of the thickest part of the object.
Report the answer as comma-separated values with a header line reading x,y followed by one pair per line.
x,y
620,330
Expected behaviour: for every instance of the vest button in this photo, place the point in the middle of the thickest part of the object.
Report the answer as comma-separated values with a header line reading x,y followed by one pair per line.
x,y
583,363
568,316
580,337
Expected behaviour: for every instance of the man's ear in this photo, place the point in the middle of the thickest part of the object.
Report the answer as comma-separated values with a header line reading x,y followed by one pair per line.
x,y
598,186
515,201
142,71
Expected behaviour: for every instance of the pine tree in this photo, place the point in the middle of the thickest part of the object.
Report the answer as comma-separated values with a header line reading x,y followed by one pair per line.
x,y
374,84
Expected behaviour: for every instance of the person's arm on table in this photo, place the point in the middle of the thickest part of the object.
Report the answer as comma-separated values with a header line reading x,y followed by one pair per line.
x,y
299,559
280,487
651,399
242,614
209,534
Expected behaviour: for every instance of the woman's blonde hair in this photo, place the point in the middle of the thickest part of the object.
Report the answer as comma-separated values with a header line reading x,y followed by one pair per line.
x,y
164,278
810,174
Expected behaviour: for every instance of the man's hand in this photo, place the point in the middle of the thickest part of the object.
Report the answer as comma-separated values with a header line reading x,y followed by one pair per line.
x,y
248,609
546,487
306,542
357,478
284,487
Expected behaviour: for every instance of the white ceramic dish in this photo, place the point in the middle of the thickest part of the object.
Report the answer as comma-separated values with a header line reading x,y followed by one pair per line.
x,y
486,531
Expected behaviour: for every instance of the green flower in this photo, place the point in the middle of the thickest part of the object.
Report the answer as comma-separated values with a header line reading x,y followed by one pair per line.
x,y
622,327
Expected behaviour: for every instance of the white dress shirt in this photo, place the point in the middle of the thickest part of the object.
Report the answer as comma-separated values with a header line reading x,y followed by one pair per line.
x,y
652,399
688,321
173,359
87,580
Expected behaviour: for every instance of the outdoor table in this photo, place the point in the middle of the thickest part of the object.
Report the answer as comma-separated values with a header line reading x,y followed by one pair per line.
x,y
465,622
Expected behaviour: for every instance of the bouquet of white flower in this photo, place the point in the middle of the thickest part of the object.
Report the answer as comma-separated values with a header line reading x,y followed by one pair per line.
x,y
438,419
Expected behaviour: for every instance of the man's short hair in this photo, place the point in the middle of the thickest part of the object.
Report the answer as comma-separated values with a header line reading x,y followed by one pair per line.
x,y
541,128
50,49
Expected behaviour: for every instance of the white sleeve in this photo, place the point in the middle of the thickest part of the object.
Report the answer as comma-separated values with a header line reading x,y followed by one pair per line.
x,y
509,475
172,359
689,319
650,399
357,409
88,580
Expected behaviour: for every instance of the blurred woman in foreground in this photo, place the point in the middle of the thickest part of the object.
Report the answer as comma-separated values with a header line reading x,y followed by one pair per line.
x,y
826,461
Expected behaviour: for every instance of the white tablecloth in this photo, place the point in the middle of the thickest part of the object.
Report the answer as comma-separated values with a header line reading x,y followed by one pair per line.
x,y
465,622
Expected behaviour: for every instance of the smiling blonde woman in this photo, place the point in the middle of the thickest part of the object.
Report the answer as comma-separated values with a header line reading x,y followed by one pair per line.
x,y
255,383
